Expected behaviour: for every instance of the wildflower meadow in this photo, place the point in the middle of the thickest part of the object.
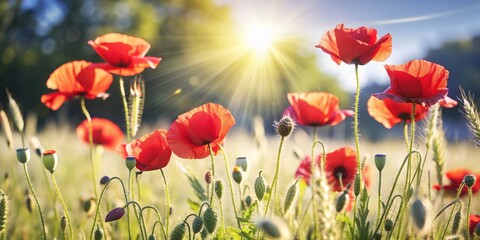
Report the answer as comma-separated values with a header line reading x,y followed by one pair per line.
x,y
202,177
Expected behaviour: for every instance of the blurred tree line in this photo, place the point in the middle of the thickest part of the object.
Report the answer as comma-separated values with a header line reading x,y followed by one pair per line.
x,y
37,36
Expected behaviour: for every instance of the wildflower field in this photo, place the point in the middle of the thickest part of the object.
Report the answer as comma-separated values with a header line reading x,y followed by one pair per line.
x,y
201,177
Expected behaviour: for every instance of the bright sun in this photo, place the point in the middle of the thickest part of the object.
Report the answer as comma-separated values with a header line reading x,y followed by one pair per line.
x,y
259,38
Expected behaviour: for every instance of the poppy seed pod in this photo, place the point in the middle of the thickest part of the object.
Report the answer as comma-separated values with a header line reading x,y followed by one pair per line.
x,y
50,160
380,160
115,214
260,186
242,163
23,155
130,162
210,220
99,233
469,180
285,126
197,224
237,175
178,232
219,188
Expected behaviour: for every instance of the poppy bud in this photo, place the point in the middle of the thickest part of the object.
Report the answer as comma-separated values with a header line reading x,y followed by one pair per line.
x,y
469,180
260,186
377,236
380,160
197,224
98,233
341,201
178,232
115,214
285,126
237,175
242,163
130,162
357,185
152,237
89,206
457,219
420,213
208,177
210,220
219,188
291,197
477,229
248,200
388,225
23,155
104,180
274,228
63,223
50,160
29,203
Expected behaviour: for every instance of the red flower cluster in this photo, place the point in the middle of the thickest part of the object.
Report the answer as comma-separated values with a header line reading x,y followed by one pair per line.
x,y
357,46
456,178
315,109
105,133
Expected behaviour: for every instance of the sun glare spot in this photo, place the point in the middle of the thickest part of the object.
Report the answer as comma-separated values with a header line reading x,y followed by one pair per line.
x,y
259,38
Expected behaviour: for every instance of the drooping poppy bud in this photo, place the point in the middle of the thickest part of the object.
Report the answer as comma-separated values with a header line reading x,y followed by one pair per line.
x,y
197,224
115,214
210,220
260,186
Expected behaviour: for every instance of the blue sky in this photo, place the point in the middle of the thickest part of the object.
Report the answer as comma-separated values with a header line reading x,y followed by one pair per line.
x,y
415,26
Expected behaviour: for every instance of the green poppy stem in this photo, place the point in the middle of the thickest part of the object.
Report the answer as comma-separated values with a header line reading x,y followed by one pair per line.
x,y
275,178
212,191
229,183
65,210
30,185
313,182
357,141
167,202
468,212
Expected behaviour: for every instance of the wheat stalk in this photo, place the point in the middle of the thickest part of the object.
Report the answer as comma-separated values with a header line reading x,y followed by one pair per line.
x,y
470,112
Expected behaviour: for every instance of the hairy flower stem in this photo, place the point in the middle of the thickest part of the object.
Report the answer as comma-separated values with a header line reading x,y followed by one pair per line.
x,y
275,178
379,194
97,211
212,191
468,211
313,181
355,134
65,210
408,182
159,220
129,197
167,202
457,201
30,185
125,109
229,183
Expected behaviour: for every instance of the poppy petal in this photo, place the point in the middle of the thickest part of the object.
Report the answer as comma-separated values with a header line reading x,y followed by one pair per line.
x,y
94,81
54,100
378,110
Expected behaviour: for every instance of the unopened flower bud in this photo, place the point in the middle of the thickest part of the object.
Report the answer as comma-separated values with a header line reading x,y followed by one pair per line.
x,y
237,174
219,188
115,214
341,201
248,200
210,220
89,206
380,160
208,177
260,186
477,229
130,162
104,180
178,232
420,212
285,126
242,163
388,225
457,220
357,185
23,155
63,223
274,228
50,160
469,180
152,237
99,233
29,203
377,236
291,197
197,224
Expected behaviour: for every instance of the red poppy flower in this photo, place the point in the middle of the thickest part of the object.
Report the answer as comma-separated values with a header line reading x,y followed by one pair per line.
x,y
474,221
417,81
389,112
77,78
456,178
341,163
125,55
315,109
305,169
357,46
105,133
192,132
151,150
